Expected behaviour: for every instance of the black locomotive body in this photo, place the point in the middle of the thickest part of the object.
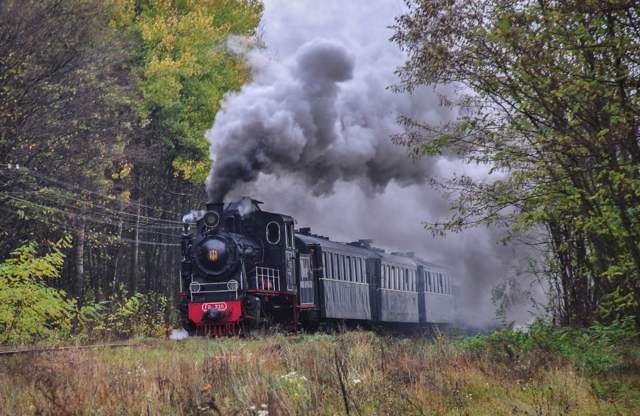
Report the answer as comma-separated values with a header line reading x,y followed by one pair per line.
x,y
245,268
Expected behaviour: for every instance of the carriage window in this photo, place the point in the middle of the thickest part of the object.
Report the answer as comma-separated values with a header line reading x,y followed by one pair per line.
x,y
396,278
348,267
354,275
439,282
405,283
354,269
345,268
385,281
384,276
363,272
273,232
324,265
334,266
354,272
359,269
288,231
428,281
388,268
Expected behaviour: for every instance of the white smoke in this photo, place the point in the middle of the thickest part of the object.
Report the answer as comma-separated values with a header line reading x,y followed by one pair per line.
x,y
310,136
178,334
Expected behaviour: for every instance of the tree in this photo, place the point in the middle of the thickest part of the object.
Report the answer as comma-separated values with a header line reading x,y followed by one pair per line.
x,y
66,106
549,100
186,69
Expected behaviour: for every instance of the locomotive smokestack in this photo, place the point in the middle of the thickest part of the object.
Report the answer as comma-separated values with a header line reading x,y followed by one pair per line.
x,y
214,213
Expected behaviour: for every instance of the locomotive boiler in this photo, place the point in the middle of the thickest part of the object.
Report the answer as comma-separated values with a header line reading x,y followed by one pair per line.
x,y
245,269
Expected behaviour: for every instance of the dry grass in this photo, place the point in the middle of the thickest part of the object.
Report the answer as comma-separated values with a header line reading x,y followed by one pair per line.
x,y
356,373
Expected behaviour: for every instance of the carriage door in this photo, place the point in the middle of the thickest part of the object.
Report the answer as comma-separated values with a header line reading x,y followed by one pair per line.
x,y
306,280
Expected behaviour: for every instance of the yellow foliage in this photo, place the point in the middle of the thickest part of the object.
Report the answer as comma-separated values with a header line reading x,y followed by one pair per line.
x,y
186,68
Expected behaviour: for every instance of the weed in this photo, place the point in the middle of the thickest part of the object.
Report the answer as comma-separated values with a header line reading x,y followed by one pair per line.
x,y
358,373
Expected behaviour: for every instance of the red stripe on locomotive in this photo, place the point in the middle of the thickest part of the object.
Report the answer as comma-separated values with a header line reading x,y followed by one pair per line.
x,y
232,310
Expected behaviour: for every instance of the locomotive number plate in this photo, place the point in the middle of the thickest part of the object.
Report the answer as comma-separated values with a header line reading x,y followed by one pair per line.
x,y
221,306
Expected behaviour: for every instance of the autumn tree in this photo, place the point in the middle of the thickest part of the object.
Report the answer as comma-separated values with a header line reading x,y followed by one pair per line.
x,y
66,110
186,68
549,102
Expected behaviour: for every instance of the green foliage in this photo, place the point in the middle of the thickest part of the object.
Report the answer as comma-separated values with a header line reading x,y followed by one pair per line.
x,y
123,316
30,309
552,104
598,349
186,68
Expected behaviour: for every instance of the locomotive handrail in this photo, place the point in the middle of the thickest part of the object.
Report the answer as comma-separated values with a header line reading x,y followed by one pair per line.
x,y
225,289
267,278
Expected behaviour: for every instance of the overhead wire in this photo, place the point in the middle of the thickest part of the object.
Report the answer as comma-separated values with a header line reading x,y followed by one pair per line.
x,y
114,238
141,221
86,217
115,215
111,198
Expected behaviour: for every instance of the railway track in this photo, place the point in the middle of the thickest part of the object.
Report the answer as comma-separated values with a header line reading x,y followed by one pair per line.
x,y
7,353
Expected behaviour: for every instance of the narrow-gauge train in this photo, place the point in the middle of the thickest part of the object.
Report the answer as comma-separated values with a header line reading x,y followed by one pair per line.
x,y
246,269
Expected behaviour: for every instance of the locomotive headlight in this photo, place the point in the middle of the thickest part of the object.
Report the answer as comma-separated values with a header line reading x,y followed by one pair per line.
x,y
211,219
194,287
232,285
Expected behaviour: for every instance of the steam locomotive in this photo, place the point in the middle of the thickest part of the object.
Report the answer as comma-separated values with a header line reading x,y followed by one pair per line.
x,y
246,269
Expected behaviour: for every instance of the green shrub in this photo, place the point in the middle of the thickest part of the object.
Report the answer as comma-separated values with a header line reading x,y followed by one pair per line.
x,y
30,309
122,316
596,349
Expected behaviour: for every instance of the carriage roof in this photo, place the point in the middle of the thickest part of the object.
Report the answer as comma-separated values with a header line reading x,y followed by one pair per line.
x,y
343,248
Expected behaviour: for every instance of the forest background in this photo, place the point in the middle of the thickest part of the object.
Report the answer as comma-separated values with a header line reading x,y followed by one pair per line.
x,y
104,106
103,110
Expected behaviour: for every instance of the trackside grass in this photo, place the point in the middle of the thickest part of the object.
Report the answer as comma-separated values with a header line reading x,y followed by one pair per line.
x,y
356,373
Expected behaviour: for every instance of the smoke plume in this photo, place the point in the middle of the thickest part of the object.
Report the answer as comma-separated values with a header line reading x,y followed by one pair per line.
x,y
322,114
310,135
